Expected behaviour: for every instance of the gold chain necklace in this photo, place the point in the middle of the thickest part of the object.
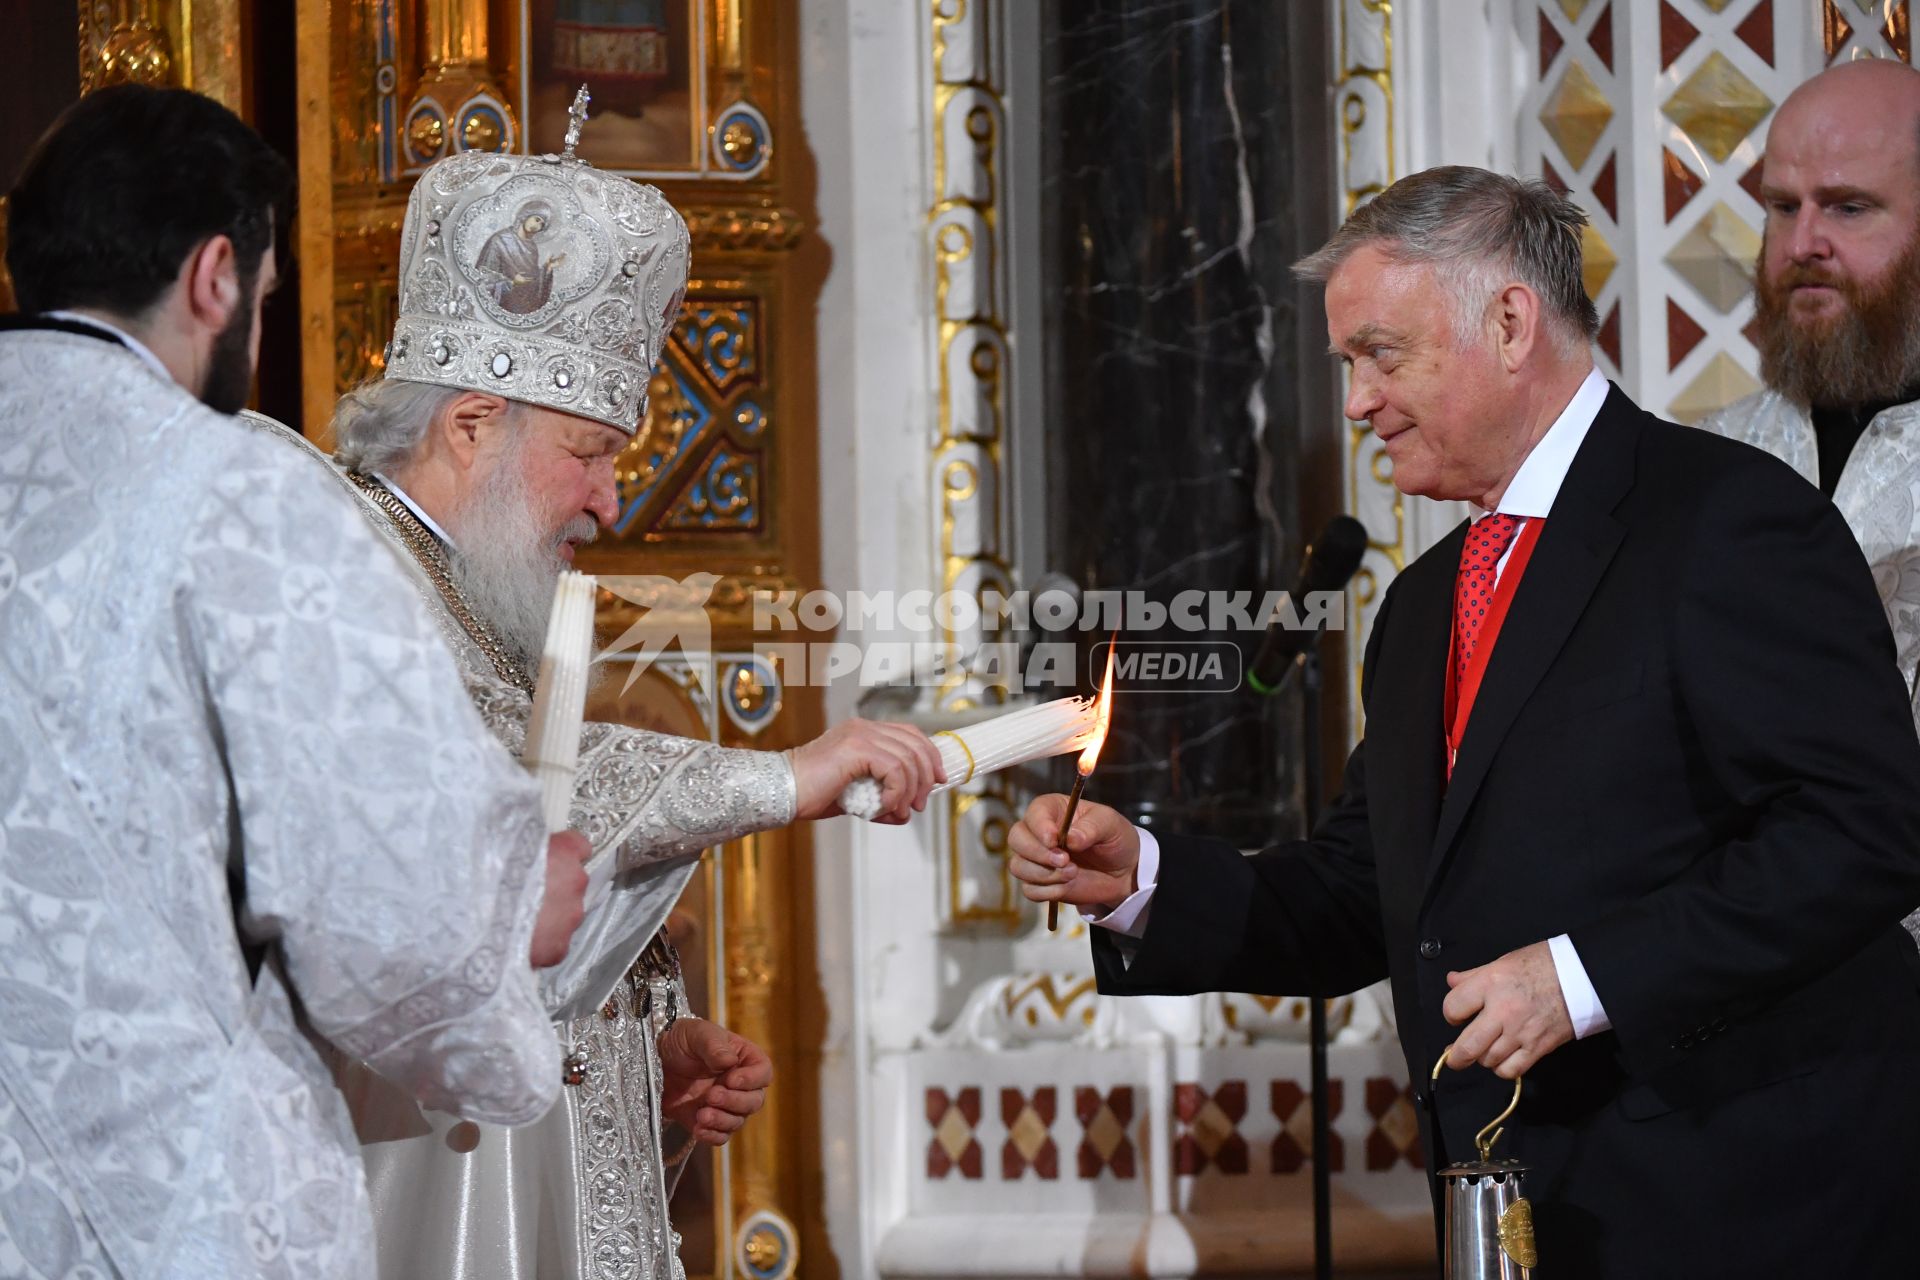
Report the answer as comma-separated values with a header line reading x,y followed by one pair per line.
x,y
432,559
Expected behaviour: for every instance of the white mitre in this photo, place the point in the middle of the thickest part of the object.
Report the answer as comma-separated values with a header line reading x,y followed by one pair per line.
x,y
539,279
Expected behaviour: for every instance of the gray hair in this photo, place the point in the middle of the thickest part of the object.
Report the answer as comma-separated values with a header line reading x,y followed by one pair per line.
x,y
381,424
1480,231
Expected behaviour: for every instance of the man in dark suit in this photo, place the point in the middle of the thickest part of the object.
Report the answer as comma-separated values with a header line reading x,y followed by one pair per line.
x,y
1638,810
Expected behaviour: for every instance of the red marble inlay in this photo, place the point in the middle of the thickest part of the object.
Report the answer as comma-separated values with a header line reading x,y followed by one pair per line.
x,y
1756,30
1550,43
1289,1101
1013,1108
1389,1143
1896,32
1676,34
1680,181
1683,334
1835,30
1606,186
1601,37
1199,1139
967,1105
1087,1106
1609,337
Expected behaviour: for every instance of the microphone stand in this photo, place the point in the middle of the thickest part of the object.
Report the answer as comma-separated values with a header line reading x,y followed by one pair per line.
x,y
1322,1142
1330,563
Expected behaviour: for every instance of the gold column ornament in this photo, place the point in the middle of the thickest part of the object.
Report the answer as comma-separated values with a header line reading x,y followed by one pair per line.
x,y
740,137
757,883
728,24
459,106
767,1247
313,85
194,44
456,37
968,478
133,49
1366,165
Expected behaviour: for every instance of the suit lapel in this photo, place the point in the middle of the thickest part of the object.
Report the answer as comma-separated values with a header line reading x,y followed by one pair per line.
x,y
1575,547
1405,733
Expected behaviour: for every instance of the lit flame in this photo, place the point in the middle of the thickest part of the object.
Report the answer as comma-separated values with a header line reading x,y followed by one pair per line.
x,y
1102,720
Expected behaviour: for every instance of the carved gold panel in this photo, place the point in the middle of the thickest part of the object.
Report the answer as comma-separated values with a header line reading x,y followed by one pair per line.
x,y
195,44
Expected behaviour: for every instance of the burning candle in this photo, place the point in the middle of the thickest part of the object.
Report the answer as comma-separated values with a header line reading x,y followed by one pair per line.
x,y
1032,733
1102,720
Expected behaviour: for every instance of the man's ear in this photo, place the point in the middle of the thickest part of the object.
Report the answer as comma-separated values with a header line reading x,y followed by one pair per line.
x,y
465,421
1516,325
210,283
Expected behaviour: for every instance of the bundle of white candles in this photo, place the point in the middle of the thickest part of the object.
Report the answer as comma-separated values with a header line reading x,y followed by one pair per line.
x,y
560,697
1050,729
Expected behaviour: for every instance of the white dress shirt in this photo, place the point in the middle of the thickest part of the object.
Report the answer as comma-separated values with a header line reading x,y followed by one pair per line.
x,y
420,512
1529,495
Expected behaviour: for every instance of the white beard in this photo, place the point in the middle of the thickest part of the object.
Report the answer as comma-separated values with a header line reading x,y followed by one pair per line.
x,y
505,563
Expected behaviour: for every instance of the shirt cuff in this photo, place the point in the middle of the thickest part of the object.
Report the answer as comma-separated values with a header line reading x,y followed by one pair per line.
x,y
1129,919
1583,1002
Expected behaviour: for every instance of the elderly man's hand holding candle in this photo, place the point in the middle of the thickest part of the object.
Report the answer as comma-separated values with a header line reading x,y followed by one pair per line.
x,y
900,757
1095,870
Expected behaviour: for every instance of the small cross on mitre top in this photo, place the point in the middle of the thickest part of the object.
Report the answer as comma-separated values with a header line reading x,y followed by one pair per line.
x,y
576,119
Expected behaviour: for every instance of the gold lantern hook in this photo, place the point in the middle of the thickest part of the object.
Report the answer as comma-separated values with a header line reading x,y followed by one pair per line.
x,y
1483,1141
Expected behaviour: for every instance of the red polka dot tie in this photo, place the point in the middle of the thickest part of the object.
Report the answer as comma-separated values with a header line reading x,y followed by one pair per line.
x,y
1487,541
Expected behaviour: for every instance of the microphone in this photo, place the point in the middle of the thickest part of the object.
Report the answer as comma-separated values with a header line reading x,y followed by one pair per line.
x,y
1331,559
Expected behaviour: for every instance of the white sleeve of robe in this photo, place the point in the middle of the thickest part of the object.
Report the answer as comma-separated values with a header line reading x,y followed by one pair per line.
x,y
391,849
650,803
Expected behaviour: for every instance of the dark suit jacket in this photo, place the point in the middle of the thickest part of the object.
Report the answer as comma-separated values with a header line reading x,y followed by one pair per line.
x,y
1692,751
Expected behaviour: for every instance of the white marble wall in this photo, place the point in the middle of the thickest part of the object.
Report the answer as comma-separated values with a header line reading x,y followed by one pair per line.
x,y
930,1014
864,120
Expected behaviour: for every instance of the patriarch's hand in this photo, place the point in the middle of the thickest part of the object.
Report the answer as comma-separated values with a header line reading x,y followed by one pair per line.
x,y
900,757
714,1079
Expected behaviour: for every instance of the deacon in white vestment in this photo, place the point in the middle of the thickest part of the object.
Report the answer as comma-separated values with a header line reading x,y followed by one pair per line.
x,y
248,817
1838,309
486,454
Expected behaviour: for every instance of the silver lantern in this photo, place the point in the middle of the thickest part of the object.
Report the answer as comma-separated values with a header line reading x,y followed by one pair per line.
x,y
1489,1224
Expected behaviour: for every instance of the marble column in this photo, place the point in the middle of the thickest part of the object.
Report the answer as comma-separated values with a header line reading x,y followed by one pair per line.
x,y
1173,160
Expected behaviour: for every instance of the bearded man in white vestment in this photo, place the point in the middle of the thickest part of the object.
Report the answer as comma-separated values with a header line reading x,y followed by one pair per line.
x,y
250,816
486,453
1838,307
